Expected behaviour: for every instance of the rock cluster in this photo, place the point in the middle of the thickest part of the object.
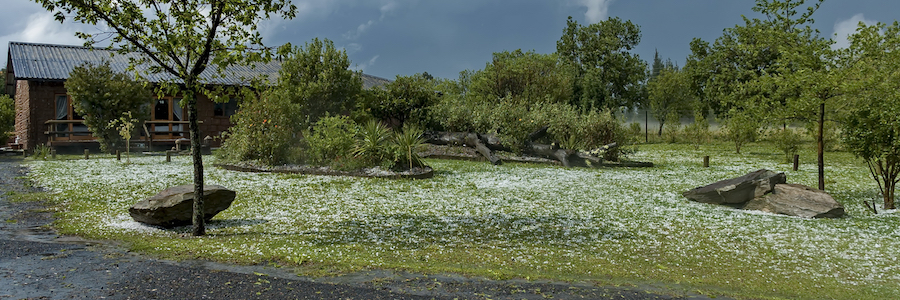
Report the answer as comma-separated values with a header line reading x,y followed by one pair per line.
x,y
174,206
768,191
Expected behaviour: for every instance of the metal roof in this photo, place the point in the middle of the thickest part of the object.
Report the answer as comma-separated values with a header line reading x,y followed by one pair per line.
x,y
32,61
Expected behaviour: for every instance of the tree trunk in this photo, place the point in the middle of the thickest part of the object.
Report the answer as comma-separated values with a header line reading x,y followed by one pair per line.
x,y
660,128
821,146
483,144
198,218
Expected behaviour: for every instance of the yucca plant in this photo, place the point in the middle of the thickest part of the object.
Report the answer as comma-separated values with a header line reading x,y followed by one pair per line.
x,y
407,143
373,143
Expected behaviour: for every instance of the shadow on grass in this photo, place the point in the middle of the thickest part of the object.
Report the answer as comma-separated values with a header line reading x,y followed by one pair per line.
x,y
412,231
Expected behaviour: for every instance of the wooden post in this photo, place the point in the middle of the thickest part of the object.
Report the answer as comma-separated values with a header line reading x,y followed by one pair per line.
x,y
118,155
796,162
706,161
168,156
53,153
87,154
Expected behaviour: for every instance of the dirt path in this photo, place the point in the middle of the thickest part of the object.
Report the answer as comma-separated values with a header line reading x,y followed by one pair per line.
x,y
36,263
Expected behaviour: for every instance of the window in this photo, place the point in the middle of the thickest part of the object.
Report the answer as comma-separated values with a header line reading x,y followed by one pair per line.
x,y
167,117
225,109
70,122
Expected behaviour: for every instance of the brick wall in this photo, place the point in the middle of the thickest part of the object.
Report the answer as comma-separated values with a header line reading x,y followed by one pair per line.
x,y
35,104
212,125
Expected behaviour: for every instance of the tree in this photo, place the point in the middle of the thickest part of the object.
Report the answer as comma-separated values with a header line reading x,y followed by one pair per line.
x,y
407,98
101,95
670,95
318,79
180,39
872,124
527,75
608,76
7,116
3,79
776,70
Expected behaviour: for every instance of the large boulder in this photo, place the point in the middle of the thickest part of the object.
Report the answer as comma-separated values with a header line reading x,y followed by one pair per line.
x,y
174,206
798,200
737,191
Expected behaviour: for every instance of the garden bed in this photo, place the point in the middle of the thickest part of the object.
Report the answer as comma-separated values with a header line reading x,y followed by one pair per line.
x,y
377,172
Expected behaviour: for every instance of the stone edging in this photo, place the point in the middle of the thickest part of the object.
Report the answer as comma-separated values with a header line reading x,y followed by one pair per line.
x,y
423,173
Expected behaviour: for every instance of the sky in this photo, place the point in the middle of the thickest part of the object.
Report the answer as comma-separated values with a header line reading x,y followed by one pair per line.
x,y
387,38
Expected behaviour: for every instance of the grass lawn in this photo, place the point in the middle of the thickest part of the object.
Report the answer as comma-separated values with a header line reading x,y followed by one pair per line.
x,y
608,226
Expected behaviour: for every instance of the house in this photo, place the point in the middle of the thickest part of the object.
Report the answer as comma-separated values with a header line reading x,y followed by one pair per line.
x,y
36,75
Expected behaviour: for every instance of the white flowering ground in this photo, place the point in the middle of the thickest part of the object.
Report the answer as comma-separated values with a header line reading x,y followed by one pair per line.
x,y
513,221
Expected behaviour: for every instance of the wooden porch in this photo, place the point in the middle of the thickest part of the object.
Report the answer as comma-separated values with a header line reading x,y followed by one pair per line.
x,y
153,134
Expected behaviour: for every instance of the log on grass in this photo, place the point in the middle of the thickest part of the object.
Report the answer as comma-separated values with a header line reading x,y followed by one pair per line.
x,y
483,144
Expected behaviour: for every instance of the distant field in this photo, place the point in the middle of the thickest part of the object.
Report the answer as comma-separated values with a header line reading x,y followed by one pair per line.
x,y
608,226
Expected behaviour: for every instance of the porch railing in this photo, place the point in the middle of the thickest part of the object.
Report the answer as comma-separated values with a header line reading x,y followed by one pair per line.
x,y
73,131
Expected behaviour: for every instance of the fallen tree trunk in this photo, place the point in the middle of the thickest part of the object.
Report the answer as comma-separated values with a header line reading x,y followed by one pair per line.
x,y
485,145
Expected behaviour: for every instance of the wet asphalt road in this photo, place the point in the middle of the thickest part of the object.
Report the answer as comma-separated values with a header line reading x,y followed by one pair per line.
x,y
36,263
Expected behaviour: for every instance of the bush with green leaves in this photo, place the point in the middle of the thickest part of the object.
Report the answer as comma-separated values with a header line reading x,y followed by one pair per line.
x,y
697,133
318,79
741,128
788,141
7,117
407,143
264,130
407,98
101,95
373,144
331,140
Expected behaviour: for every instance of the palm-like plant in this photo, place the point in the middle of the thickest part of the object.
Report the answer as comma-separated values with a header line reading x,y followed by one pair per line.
x,y
407,143
373,143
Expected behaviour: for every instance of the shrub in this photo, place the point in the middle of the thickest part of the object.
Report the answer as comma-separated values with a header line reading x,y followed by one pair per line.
x,y
102,95
7,117
741,129
263,130
331,140
787,141
697,132
373,145
407,143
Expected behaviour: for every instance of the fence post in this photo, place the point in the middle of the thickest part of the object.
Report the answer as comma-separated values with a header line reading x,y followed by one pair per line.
x,y
53,153
706,161
796,162
118,155
87,154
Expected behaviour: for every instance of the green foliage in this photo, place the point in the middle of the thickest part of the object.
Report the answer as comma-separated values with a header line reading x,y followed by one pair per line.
x,y
406,144
318,79
608,76
672,132
373,145
407,98
670,96
263,130
523,75
697,133
741,128
512,119
331,140
872,125
101,95
125,126
788,141
42,152
7,117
